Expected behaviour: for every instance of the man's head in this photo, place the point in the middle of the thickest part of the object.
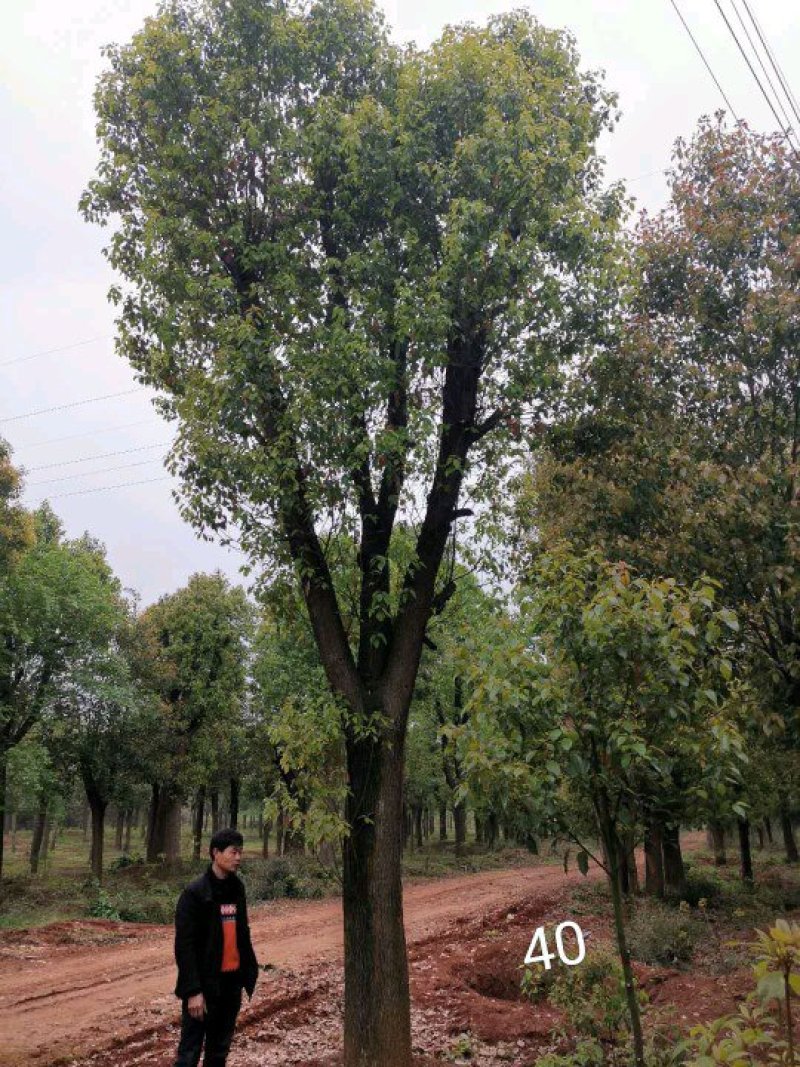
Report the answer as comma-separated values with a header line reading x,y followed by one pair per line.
x,y
225,850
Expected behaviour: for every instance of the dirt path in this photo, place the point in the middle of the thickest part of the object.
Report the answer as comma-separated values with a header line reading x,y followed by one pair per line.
x,y
77,988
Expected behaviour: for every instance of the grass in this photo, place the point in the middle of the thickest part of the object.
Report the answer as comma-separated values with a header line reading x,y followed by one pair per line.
x,y
132,891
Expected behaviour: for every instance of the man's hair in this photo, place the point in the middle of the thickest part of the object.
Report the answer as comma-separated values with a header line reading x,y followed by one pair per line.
x,y
223,839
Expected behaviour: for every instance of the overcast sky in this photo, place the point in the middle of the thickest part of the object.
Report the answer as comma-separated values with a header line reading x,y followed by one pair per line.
x,y
54,279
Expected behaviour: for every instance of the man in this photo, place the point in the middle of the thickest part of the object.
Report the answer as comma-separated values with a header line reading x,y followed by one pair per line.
x,y
214,954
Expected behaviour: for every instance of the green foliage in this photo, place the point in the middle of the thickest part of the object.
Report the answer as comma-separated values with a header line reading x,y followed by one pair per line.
x,y
102,906
762,1031
659,934
592,998
287,876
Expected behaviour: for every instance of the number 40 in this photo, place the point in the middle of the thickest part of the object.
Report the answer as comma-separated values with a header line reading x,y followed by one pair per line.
x,y
545,956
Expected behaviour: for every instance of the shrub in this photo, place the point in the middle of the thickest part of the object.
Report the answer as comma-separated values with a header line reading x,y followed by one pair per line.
x,y
103,908
658,934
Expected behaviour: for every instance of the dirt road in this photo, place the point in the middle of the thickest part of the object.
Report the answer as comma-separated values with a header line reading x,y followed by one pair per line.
x,y
75,989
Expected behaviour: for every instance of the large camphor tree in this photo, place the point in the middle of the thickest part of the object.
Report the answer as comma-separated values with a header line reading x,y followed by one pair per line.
x,y
349,269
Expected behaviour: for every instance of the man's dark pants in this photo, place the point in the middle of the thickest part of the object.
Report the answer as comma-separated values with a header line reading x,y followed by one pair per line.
x,y
216,1027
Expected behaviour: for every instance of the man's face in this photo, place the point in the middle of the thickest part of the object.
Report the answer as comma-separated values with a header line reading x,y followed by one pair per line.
x,y
228,859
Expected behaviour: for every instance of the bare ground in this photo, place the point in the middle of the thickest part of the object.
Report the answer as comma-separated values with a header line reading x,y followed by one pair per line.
x,y
98,994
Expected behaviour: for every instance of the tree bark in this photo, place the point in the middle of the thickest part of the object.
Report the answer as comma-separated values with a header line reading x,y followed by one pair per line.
x,y
377,1022
119,828
98,809
674,871
3,791
234,804
265,829
612,851
460,826
199,813
745,855
38,834
768,828
789,842
717,833
214,811
653,860
418,825
130,815
442,822
172,830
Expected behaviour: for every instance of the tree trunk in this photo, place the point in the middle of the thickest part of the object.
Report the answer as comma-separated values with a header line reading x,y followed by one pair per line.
x,y
85,818
38,834
153,835
674,871
279,832
3,790
442,822
377,1023
460,824
418,825
199,813
214,811
130,814
612,851
266,827
13,837
172,830
717,832
119,829
479,830
768,828
234,804
491,829
745,855
789,842
760,832
98,808
653,860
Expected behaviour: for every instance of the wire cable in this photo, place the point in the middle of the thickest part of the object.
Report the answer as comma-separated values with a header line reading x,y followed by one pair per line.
x,y
101,455
775,65
775,93
90,433
74,404
106,488
89,474
52,351
702,56
757,79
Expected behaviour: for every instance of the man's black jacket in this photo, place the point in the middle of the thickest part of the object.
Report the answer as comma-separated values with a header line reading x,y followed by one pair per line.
x,y
198,939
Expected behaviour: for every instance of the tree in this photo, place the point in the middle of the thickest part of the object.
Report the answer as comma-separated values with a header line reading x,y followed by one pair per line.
x,y
190,649
680,451
57,601
349,271
619,681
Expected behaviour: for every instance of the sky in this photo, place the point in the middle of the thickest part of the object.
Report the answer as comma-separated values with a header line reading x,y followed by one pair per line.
x,y
54,279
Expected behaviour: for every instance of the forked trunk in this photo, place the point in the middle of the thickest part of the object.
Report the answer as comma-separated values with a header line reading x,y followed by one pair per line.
x,y
377,1024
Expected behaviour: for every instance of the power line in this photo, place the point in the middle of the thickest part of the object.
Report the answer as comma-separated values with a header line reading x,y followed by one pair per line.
x,y
90,433
764,70
74,404
89,474
705,61
752,71
106,488
101,455
775,65
52,351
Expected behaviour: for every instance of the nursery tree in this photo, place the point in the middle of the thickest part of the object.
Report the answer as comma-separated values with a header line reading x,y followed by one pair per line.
x,y
617,681
57,601
349,270
190,649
